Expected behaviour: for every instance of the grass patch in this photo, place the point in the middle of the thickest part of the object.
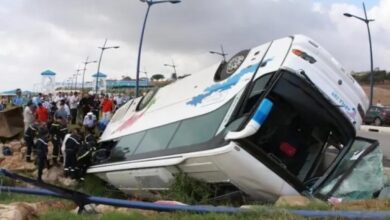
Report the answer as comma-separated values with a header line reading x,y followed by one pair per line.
x,y
7,197
93,185
189,190
59,214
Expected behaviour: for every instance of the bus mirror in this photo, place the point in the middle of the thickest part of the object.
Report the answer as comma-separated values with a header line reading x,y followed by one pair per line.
x,y
255,123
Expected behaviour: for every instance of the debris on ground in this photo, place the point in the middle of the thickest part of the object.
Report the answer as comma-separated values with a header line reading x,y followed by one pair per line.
x,y
17,211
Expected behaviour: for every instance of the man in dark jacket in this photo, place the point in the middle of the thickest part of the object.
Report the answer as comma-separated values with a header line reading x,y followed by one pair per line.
x,y
84,158
43,138
29,135
72,146
57,131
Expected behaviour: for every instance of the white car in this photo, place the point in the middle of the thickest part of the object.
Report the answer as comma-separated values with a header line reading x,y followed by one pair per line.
x,y
274,120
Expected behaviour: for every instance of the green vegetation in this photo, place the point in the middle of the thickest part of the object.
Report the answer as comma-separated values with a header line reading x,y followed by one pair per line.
x,y
92,185
6,198
58,214
189,190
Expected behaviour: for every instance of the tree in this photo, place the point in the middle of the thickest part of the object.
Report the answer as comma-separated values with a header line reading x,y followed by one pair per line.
x,y
126,78
157,77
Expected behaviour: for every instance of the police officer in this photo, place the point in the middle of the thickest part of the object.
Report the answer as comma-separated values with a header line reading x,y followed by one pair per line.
x,y
43,138
29,135
57,131
72,146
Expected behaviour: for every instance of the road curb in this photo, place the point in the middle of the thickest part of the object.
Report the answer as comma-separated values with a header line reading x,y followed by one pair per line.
x,y
376,129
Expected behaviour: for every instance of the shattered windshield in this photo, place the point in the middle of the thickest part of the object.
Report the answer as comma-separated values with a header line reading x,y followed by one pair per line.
x,y
359,175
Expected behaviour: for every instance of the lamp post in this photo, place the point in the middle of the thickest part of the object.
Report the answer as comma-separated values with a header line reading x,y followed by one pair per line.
x,y
173,66
85,68
103,48
367,21
222,53
150,3
77,73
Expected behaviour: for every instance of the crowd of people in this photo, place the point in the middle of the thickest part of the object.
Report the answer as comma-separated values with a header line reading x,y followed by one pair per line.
x,y
70,121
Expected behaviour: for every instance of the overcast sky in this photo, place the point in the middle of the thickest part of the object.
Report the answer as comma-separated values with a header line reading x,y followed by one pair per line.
x,y
36,35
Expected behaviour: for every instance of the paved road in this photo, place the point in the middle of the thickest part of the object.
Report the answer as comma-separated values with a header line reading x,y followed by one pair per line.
x,y
384,141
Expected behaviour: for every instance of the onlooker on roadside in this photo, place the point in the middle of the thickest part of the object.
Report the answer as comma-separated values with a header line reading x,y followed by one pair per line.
x,y
85,105
18,100
107,108
42,114
89,122
119,101
37,99
28,115
62,113
73,102
96,106
2,104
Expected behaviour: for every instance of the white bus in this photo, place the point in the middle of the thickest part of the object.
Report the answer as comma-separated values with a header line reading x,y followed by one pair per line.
x,y
262,123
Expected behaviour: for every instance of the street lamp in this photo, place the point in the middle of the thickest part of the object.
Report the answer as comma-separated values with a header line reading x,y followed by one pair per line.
x,y
222,53
150,3
100,60
85,68
173,66
75,75
367,21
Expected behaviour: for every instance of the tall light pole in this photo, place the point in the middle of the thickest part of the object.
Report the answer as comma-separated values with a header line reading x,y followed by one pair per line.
x,y
150,3
85,68
77,73
367,21
103,48
222,53
173,66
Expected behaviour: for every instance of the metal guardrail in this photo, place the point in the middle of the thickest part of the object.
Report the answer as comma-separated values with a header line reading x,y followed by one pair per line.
x,y
82,199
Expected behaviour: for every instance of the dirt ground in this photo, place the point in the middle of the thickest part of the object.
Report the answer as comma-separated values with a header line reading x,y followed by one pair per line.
x,y
381,92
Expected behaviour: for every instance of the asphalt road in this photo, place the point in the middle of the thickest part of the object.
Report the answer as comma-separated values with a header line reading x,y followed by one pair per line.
x,y
384,141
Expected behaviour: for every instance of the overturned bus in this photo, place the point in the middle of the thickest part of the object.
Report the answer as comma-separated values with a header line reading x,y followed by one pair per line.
x,y
277,119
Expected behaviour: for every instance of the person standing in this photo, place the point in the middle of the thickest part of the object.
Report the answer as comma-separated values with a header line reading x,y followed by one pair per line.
x,y
89,122
107,108
73,102
85,105
29,134
72,146
42,114
62,112
28,115
42,150
96,106
58,131
18,100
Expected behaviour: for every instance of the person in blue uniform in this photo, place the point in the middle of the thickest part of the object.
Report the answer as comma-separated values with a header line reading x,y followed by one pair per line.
x,y
84,158
72,146
42,143
29,135
57,131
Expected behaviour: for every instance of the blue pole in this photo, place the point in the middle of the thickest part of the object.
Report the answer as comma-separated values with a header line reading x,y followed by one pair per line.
x,y
139,51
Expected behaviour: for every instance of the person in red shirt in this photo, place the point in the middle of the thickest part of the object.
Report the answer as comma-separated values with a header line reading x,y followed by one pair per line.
x,y
42,114
107,107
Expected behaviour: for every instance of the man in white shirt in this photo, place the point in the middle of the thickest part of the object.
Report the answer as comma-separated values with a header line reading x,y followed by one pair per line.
x,y
28,115
89,121
74,102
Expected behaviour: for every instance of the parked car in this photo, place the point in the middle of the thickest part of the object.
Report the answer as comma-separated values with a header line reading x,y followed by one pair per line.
x,y
377,115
